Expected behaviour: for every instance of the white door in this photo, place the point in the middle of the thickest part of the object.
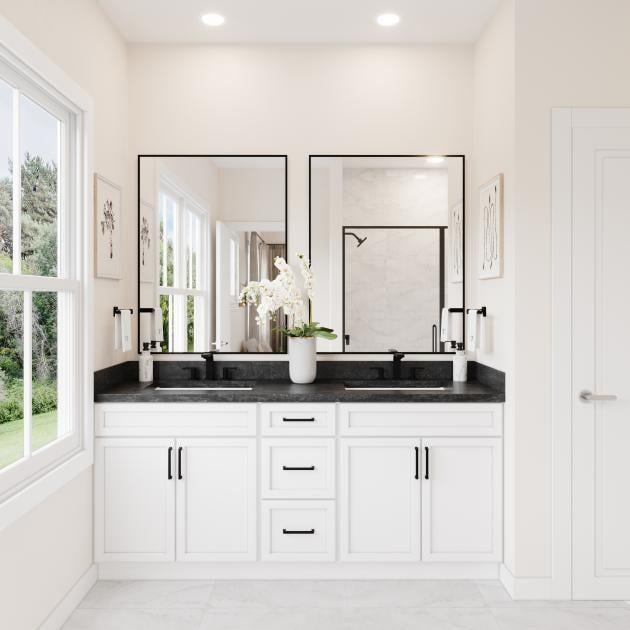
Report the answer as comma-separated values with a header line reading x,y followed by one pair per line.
x,y
461,499
134,499
380,499
227,287
216,499
601,304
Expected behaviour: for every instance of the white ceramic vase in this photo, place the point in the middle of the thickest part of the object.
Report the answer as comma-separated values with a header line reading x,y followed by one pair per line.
x,y
302,359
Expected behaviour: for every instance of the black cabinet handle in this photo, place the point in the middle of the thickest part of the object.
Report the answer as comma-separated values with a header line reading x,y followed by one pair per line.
x,y
298,531
298,468
170,462
298,419
417,463
179,463
426,462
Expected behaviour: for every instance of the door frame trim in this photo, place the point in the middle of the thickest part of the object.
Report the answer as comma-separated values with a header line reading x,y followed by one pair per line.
x,y
563,121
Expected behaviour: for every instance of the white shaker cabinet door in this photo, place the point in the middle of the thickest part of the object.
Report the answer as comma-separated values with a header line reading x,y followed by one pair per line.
x,y
134,485
462,499
380,499
216,499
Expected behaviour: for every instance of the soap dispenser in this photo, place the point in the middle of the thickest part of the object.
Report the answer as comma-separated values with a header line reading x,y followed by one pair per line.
x,y
460,365
145,366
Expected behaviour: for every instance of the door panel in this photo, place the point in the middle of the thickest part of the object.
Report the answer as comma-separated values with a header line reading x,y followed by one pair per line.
x,y
216,499
601,302
134,516
380,500
461,500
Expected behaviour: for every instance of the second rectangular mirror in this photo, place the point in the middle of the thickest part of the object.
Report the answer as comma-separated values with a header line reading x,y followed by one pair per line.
x,y
208,225
386,246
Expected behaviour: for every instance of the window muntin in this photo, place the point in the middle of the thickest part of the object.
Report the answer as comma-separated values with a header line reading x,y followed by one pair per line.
x,y
183,293
39,282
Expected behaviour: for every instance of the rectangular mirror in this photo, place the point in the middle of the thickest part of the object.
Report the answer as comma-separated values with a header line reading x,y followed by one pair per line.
x,y
387,251
208,225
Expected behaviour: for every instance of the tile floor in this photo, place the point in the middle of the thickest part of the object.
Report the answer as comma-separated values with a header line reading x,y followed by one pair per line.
x,y
332,605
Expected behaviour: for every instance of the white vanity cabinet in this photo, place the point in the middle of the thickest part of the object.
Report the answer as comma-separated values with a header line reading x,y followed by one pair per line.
x,y
380,499
412,488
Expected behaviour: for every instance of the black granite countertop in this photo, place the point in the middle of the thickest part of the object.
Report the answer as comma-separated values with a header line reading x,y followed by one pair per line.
x,y
285,392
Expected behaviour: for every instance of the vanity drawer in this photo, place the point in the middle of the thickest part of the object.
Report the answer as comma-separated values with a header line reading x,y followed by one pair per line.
x,y
298,469
300,419
298,531
175,419
421,419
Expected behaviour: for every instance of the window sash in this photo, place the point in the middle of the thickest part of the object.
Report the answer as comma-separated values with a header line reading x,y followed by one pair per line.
x,y
67,284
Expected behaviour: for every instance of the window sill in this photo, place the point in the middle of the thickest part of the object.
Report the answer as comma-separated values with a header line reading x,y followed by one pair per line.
x,y
37,492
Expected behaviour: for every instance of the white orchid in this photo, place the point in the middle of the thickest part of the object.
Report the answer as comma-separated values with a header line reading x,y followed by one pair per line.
x,y
283,293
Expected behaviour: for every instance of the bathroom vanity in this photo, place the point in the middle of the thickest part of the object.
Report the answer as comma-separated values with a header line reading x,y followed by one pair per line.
x,y
324,480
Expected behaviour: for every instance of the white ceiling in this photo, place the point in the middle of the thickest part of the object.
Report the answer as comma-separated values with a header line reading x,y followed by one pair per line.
x,y
299,21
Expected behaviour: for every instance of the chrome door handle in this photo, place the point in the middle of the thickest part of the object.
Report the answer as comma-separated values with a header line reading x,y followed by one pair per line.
x,y
586,396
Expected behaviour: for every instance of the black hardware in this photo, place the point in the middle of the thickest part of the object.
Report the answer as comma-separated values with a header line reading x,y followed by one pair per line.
x,y
227,373
117,311
398,357
417,463
193,372
298,419
144,309
426,462
298,531
347,339
380,372
298,468
455,310
434,337
482,311
179,463
170,462
208,357
415,371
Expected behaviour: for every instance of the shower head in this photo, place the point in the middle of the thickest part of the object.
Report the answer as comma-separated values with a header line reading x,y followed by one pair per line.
x,y
360,241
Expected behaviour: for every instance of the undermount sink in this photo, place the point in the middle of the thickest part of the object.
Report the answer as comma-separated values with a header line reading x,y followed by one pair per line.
x,y
395,386
204,386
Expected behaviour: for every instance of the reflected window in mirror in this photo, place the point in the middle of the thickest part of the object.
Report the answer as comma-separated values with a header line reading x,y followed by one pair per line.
x,y
208,225
387,242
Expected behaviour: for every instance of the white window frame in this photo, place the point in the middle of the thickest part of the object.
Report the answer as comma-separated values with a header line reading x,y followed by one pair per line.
x,y
30,480
186,201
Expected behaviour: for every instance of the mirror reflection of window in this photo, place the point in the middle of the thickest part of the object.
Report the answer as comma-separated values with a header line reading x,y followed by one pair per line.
x,y
210,224
386,249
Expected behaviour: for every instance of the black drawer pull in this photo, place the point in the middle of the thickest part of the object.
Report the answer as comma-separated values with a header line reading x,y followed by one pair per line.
x,y
170,462
417,463
298,419
298,468
426,462
298,531
179,463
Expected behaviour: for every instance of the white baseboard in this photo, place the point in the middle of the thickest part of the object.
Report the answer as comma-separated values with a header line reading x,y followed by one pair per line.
x,y
297,571
526,587
68,604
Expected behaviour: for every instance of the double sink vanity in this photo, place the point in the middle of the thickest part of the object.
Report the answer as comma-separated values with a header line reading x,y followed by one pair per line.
x,y
351,476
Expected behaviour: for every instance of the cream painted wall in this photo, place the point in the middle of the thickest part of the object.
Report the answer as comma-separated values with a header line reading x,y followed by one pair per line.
x,y
493,152
45,552
554,67
300,100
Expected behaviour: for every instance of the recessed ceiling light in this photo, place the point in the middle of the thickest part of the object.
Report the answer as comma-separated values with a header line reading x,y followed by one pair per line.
x,y
435,159
212,19
388,19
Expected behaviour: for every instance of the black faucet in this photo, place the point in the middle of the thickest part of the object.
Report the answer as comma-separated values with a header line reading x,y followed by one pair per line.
x,y
398,357
208,357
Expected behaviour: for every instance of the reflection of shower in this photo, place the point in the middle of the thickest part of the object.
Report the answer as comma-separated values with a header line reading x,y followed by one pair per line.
x,y
360,241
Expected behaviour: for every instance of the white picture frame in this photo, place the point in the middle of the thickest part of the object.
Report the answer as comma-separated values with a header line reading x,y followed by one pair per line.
x,y
146,242
491,229
108,228
456,232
